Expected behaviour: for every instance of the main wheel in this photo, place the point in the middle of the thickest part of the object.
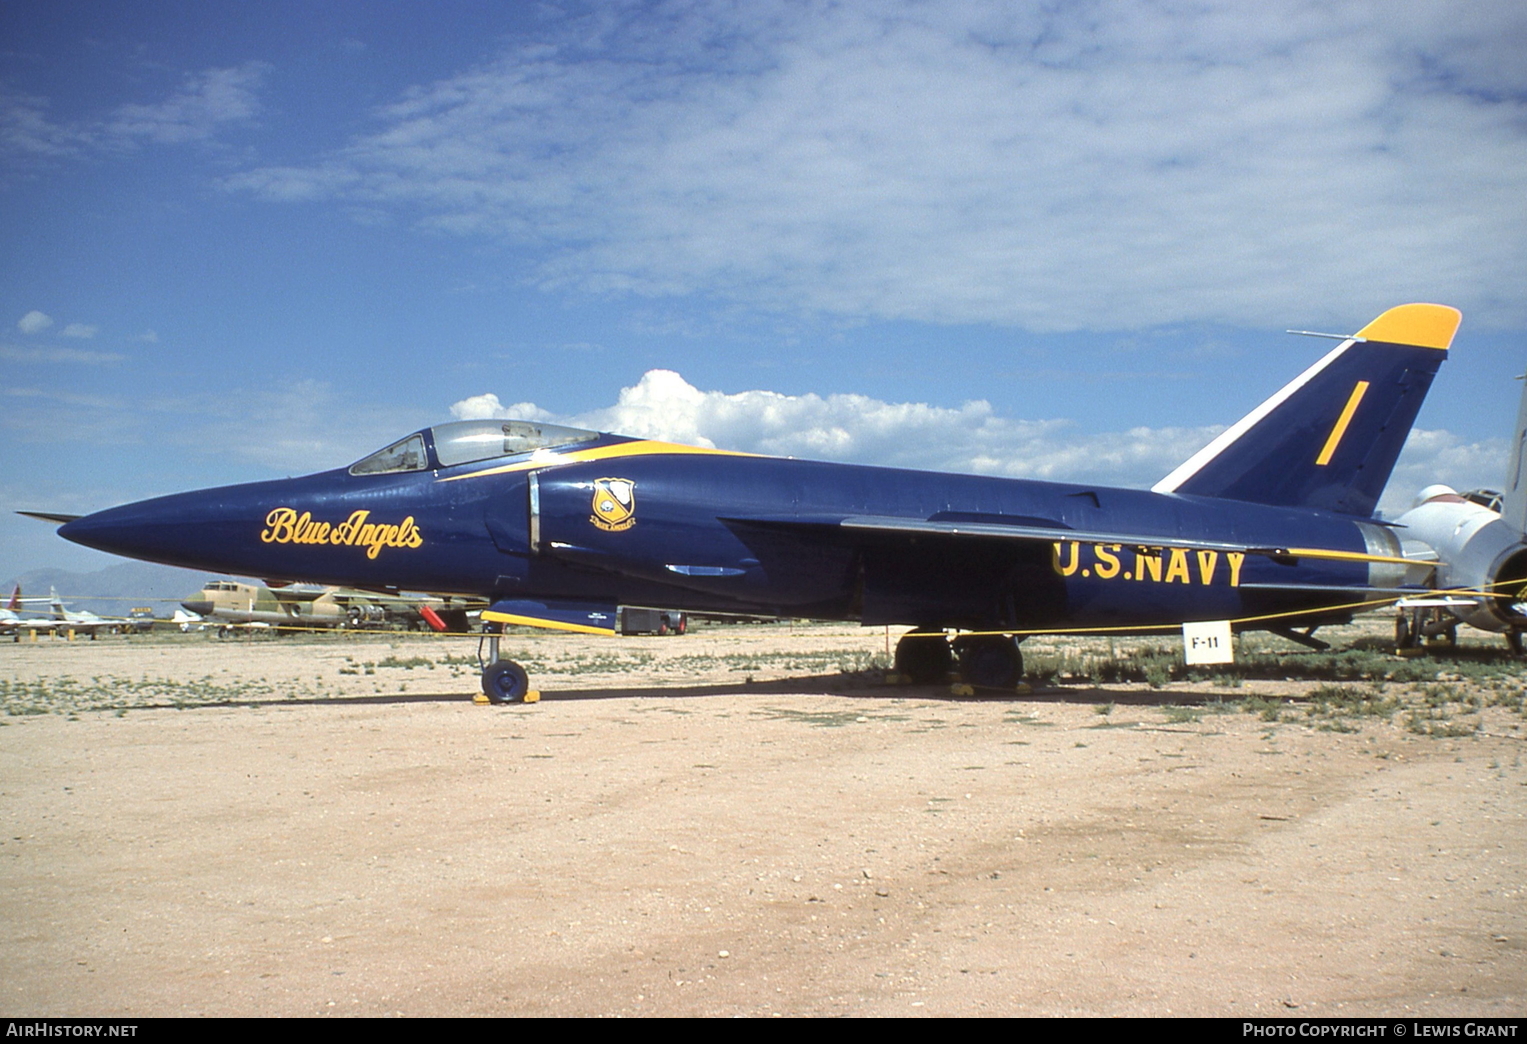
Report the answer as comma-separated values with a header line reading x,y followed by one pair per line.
x,y
991,660
1514,642
1405,636
505,681
925,658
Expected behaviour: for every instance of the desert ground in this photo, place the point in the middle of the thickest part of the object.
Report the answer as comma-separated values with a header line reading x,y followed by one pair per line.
x,y
748,820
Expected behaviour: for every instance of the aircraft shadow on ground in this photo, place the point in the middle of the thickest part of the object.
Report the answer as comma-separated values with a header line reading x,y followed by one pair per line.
x,y
830,685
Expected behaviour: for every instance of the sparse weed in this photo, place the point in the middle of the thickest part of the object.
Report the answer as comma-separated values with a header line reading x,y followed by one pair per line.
x,y
1344,701
1265,708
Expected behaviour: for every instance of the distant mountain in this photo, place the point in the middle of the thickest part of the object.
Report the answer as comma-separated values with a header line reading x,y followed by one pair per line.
x,y
111,591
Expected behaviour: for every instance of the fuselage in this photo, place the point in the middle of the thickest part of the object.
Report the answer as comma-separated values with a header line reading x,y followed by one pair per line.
x,y
625,521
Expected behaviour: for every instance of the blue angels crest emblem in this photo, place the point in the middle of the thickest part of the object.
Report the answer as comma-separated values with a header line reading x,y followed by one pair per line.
x,y
614,504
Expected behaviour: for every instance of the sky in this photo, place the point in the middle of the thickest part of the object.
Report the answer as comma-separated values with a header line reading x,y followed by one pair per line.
x,y
1054,240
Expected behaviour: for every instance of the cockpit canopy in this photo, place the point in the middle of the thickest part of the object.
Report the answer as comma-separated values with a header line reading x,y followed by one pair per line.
x,y
466,441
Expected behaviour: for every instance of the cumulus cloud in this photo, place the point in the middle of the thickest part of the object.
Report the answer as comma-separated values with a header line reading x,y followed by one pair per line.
x,y
83,331
1441,456
859,429
969,438
1060,166
34,322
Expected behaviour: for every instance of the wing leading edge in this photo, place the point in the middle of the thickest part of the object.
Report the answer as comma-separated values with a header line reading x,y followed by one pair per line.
x,y
1032,534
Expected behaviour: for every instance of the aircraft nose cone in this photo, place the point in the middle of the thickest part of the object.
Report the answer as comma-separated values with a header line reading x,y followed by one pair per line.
x,y
199,608
135,530
181,529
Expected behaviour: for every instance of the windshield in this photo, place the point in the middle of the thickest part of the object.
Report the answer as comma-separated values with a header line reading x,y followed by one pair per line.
x,y
466,441
480,440
403,455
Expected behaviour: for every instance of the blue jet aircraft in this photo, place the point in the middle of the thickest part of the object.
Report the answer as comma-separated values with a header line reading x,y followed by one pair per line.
x,y
1270,526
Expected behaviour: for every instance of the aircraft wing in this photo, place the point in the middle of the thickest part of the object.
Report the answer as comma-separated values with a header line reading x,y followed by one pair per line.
x,y
1043,534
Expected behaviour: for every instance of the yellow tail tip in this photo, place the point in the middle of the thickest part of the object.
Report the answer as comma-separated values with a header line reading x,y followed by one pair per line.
x,y
1421,325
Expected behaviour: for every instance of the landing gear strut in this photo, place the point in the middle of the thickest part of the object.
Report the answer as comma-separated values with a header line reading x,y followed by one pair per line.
x,y
1434,626
503,681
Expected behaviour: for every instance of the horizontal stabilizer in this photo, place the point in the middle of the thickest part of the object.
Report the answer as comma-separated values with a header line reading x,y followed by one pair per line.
x,y
582,617
49,516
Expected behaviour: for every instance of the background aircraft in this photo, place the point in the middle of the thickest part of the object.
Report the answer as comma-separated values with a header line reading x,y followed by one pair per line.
x,y
78,621
304,606
1269,526
1478,540
12,620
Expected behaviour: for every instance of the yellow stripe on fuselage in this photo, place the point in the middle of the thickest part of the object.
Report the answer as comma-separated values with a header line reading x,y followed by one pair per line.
x,y
538,621
1353,556
643,448
1334,439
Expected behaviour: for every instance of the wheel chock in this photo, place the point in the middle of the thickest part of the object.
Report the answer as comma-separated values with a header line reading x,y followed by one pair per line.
x,y
1023,689
533,696
897,678
962,689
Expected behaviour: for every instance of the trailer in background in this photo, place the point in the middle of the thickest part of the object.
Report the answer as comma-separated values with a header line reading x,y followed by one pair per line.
x,y
652,621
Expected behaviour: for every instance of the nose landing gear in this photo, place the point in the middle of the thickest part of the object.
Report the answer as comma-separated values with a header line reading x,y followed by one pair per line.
x,y
504,681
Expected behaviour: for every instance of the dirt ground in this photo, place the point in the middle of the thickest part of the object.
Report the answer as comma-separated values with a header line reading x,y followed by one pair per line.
x,y
739,821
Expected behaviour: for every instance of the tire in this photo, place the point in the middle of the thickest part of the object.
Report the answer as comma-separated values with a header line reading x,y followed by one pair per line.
x,y
925,658
505,681
1404,637
991,661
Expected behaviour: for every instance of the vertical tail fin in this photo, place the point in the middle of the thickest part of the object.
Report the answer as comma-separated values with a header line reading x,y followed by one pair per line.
x,y
1329,438
15,602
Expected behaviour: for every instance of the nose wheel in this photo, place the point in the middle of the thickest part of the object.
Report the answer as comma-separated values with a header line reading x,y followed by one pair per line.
x,y
503,681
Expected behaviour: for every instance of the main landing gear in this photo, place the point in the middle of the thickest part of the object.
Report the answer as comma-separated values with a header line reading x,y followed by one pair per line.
x,y
503,681
1414,626
989,660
